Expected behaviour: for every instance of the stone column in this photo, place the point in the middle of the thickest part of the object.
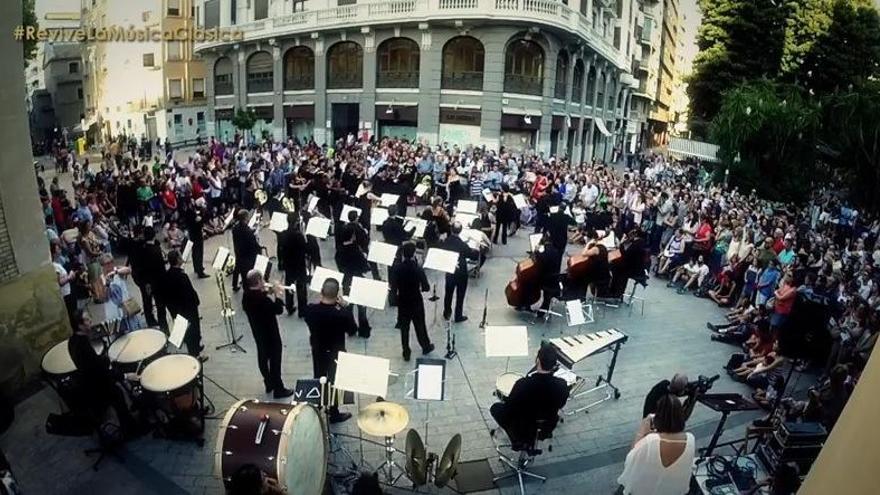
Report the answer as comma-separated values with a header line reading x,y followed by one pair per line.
x,y
321,127
562,146
610,89
579,148
277,92
588,146
209,59
543,144
368,97
493,87
225,12
240,80
430,58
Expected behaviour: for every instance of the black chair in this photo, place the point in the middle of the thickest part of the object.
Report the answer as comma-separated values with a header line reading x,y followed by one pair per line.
x,y
528,448
637,280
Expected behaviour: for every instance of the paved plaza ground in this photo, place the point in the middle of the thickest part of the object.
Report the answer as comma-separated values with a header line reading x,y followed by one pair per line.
x,y
588,448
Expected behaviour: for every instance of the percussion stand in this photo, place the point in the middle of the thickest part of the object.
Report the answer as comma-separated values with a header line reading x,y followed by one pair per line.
x,y
228,315
450,340
389,464
335,443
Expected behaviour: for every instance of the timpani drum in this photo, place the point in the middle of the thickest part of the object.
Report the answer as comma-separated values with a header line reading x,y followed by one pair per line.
x,y
292,449
173,383
135,349
61,373
504,384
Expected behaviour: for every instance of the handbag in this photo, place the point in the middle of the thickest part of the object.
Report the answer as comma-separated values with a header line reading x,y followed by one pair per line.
x,y
131,307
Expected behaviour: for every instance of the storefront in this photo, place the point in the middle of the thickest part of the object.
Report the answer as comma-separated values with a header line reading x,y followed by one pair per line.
x,y
299,121
401,122
225,129
459,126
519,132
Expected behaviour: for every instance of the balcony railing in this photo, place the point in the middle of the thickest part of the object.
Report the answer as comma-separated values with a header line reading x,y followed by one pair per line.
x,y
259,85
548,12
223,88
527,85
397,79
345,81
299,82
463,81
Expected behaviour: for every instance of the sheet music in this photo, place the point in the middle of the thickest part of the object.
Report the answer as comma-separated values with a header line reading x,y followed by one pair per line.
x,y
361,191
441,260
320,275
255,217
187,250
362,374
178,331
507,341
388,199
378,215
430,382
421,189
318,227
278,222
520,201
368,292
466,206
535,241
566,374
261,264
343,215
313,203
220,258
228,220
473,238
419,224
489,195
382,253
610,241
465,219
575,312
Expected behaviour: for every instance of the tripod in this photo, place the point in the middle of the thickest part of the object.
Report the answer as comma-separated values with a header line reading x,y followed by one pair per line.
x,y
227,313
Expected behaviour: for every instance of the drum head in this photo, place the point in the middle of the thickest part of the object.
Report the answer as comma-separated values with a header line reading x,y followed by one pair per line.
x,y
170,373
137,346
57,360
504,383
302,462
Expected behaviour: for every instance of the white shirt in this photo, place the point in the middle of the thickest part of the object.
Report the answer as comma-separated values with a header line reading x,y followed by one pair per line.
x,y
644,474
62,273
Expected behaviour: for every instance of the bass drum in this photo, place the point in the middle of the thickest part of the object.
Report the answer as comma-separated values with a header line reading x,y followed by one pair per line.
x,y
293,449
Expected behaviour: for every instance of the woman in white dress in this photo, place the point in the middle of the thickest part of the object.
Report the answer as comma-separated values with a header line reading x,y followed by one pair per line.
x,y
662,454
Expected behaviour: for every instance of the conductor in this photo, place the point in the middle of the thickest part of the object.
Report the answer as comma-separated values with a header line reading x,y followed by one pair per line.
x,y
328,324
262,314
410,282
457,282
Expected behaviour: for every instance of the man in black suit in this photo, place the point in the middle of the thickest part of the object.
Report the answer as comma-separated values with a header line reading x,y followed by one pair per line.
x,y
183,300
148,270
292,248
262,314
394,233
538,396
457,282
245,246
410,282
549,259
328,325
557,226
352,262
194,217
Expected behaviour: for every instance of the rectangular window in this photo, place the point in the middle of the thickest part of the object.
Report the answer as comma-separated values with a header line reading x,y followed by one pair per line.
x,y
200,122
261,9
232,8
175,88
345,2
178,125
149,60
73,68
174,49
173,7
299,5
79,93
212,14
198,88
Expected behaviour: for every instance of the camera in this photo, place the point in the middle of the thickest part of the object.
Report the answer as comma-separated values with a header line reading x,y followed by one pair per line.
x,y
701,385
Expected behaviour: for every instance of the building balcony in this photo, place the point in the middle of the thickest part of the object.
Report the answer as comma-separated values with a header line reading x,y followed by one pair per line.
x,y
547,13
397,79
222,89
467,81
299,83
522,84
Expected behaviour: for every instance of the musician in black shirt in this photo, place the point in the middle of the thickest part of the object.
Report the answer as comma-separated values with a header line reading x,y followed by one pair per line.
x,y
457,282
328,325
549,259
245,247
678,387
183,300
410,282
194,218
262,315
292,251
538,396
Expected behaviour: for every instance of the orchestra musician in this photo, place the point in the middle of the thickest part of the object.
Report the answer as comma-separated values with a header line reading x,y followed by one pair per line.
x,y
506,213
292,251
548,258
352,262
245,247
632,263
456,283
557,226
538,396
262,312
394,233
410,282
183,300
598,273
328,324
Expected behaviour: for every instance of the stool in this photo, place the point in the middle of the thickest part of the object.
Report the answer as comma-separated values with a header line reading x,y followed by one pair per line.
x,y
628,299
528,450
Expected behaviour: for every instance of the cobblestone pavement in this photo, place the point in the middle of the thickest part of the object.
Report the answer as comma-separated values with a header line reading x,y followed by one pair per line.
x,y
588,448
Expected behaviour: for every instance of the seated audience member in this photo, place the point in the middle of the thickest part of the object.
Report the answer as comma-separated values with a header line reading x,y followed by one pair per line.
x,y
662,454
693,274
673,255
760,370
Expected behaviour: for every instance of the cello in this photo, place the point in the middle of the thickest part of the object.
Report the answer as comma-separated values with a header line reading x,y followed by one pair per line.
x,y
524,289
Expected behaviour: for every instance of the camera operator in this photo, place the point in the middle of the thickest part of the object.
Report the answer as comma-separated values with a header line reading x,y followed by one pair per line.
x,y
679,387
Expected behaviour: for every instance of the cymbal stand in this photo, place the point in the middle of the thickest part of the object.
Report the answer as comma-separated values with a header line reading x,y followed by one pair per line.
x,y
388,466
228,314
328,395
450,340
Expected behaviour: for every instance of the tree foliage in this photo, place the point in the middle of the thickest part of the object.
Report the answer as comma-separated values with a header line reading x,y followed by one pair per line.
x,y
766,133
738,41
244,119
807,21
28,18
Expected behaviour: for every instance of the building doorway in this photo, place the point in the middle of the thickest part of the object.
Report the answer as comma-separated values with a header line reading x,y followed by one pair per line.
x,y
344,119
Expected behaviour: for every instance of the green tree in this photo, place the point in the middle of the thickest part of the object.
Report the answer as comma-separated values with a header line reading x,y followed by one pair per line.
x,y
847,54
28,18
767,133
739,41
852,129
244,120
807,21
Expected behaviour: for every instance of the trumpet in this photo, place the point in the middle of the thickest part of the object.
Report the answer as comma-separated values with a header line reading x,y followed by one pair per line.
x,y
288,204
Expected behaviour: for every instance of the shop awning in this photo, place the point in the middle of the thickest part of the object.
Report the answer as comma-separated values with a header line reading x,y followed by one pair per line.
x,y
600,124
697,149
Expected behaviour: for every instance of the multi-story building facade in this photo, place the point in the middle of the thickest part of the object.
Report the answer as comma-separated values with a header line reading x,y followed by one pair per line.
x,y
154,89
62,72
522,74
661,117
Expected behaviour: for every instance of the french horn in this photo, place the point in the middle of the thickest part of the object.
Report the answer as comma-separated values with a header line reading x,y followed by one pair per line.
x,y
261,197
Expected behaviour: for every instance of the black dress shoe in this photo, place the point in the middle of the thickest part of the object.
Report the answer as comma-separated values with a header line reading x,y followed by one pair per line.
x,y
203,275
406,355
268,387
339,417
429,349
446,315
461,319
235,289
282,393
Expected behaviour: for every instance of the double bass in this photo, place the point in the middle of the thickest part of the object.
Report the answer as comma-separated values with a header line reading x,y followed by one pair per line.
x,y
524,289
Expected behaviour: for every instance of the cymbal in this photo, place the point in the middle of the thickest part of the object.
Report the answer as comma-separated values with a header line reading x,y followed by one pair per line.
x,y
383,419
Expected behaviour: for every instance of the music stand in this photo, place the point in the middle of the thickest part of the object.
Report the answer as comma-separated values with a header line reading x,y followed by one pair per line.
x,y
579,312
320,275
388,199
444,261
507,341
178,331
520,201
382,253
429,384
466,206
343,215
187,250
725,404
278,222
221,268
368,293
318,227
378,215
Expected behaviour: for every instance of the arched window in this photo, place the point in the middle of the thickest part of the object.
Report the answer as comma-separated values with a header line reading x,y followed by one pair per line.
x,y
259,73
561,75
578,81
397,64
345,66
223,76
591,86
600,97
299,68
463,58
524,68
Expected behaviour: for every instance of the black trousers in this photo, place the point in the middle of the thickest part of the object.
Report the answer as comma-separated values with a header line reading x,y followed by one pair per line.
x,y
363,324
324,364
193,336
412,312
501,413
241,268
301,287
269,361
198,255
500,225
455,283
149,297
